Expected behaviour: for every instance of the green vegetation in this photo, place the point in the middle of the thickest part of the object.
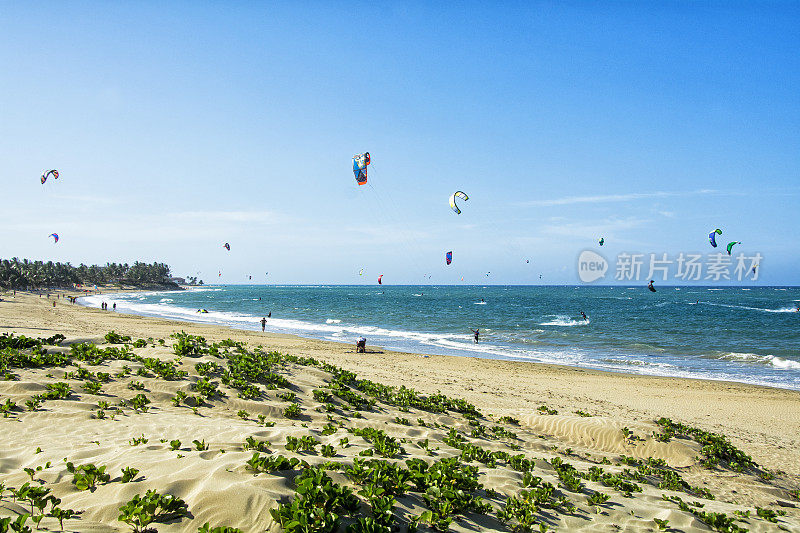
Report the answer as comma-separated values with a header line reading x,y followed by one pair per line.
x,y
129,474
113,337
317,504
292,411
716,449
86,477
16,274
306,443
141,511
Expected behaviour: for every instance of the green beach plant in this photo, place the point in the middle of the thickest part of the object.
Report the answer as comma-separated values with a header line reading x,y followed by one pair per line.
x,y
129,474
141,511
86,477
92,387
61,515
292,411
135,441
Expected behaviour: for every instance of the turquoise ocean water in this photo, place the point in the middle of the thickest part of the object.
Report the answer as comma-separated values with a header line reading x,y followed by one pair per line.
x,y
749,335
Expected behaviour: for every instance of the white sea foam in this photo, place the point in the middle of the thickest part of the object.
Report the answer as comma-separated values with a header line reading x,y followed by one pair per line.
x,y
762,309
564,320
332,321
777,362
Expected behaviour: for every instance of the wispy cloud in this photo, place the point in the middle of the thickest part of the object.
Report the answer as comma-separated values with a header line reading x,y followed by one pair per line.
x,y
592,229
229,216
607,198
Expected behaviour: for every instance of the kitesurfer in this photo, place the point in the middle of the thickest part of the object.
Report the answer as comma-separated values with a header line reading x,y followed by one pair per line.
x,y
650,286
583,315
477,334
263,324
269,315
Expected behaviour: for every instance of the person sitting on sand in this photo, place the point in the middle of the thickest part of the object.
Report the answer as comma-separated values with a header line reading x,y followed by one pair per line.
x,y
361,345
477,334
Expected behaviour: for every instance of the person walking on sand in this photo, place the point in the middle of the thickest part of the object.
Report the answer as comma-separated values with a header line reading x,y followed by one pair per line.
x,y
115,306
477,334
263,324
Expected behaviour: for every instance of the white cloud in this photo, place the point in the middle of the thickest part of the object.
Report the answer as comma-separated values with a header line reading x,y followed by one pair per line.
x,y
607,198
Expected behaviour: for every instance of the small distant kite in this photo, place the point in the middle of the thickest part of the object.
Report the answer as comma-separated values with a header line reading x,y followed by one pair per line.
x,y
360,163
47,174
462,278
712,237
527,260
457,194
361,272
54,236
487,274
602,241
227,246
731,245
448,257
379,280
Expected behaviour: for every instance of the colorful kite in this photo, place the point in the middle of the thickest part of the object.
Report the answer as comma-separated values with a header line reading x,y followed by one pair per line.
x,y
457,194
47,174
360,163
712,237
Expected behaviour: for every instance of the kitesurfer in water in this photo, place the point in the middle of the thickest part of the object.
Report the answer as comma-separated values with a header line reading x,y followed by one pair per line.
x,y
583,315
477,334
263,324
650,286
269,315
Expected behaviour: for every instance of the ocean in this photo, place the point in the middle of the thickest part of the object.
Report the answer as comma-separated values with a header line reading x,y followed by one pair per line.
x,y
748,335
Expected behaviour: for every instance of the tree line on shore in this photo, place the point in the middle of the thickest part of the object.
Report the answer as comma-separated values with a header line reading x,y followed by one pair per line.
x,y
22,274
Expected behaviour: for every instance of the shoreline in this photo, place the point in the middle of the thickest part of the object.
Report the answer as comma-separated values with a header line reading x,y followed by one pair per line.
x,y
410,344
498,385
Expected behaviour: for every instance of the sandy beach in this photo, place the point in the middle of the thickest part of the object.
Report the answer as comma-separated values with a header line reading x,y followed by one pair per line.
x,y
553,415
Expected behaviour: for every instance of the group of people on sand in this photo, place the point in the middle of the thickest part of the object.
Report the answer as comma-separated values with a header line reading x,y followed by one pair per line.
x,y
103,305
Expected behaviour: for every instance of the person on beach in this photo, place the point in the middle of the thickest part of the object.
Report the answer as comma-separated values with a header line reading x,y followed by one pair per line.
x,y
361,345
269,315
263,324
477,334
54,303
115,306
584,316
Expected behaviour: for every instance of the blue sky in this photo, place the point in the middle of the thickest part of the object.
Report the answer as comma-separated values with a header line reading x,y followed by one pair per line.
x,y
179,126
